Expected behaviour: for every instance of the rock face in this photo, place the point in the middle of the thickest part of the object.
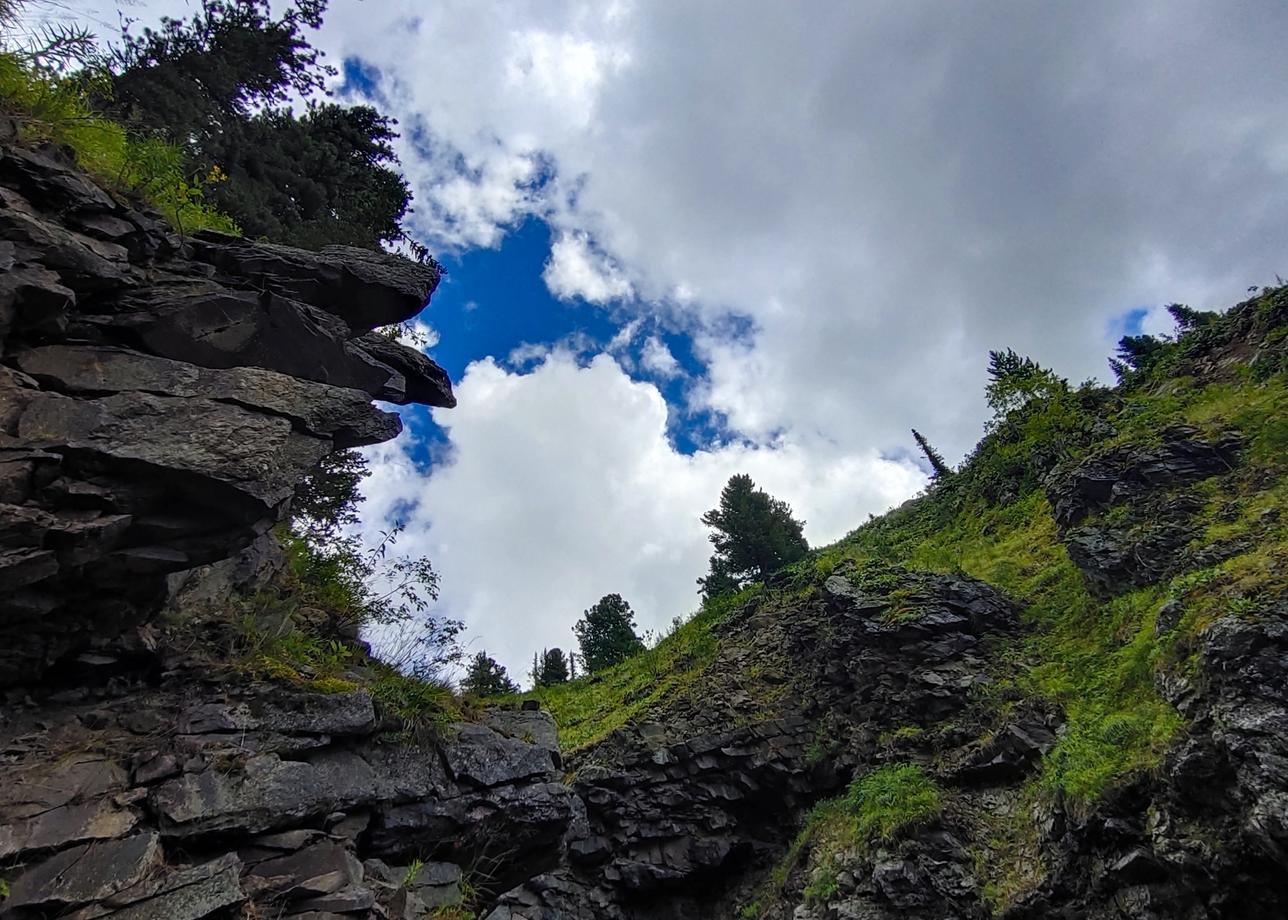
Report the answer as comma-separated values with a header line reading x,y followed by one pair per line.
x,y
1146,486
160,397
678,817
177,801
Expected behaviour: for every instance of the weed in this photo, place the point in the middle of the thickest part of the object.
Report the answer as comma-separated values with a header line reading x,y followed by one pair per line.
x,y
409,877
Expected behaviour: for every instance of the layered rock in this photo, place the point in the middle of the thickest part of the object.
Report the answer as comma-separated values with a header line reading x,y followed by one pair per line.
x,y
161,396
682,816
179,801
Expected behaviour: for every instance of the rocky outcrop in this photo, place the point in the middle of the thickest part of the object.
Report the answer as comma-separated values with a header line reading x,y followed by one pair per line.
x,y
174,802
677,820
161,396
1124,514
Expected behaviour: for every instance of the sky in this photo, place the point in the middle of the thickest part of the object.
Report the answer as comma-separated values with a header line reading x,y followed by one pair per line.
x,y
688,239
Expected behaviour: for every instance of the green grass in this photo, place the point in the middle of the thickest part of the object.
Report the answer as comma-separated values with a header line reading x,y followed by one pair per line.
x,y
589,708
51,108
878,807
420,704
891,800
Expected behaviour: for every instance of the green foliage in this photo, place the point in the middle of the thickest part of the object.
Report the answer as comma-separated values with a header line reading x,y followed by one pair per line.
x,y
50,106
413,870
326,501
754,535
606,633
1015,380
939,467
216,85
891,800
485,677
422,703
550,667
588,709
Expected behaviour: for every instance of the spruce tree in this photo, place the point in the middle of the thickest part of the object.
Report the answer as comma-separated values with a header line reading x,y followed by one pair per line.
x,y
217,86
754,535
606,633
485,677
1014,380
552,668
936,460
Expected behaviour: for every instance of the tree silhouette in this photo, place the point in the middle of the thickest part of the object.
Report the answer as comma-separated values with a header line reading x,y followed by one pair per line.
x,y
606,633
937,463
487,678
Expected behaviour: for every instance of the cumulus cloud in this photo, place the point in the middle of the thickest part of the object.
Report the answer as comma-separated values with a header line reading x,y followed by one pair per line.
x,y
563,487
887,190
576,270
656,359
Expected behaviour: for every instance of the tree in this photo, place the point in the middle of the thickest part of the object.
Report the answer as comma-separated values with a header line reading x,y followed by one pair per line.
x,y
1137,354
754,535
1014,380
937,463
326,500
606,633
550,667
719,580
487,678
216,86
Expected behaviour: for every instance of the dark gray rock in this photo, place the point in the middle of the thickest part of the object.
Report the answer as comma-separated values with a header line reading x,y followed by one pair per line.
x,y
346,416
187,894
365,288
482,757
89,872
181,391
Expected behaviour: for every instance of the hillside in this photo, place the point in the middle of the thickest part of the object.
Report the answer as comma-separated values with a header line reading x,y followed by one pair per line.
x,y
1056,748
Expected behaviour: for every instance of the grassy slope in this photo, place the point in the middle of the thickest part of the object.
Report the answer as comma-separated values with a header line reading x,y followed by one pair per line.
x,y
49,107
1099,660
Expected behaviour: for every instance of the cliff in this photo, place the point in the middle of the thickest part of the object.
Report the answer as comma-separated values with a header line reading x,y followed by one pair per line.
x,y
1052,686
161,397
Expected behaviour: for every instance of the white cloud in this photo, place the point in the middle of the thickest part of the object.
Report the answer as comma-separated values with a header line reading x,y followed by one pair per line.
x,y
563,487
576,270
887,191
657,359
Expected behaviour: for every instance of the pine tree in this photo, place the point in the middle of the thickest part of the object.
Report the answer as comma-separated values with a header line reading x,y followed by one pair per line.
x,y
606,633
552,668
718,580
216,86
936,460
326,500
1014,380
485,677
754,535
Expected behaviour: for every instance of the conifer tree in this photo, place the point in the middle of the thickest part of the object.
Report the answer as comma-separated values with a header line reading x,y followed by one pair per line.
x,y
485,677
754,535
606,633
552,668
217,86
1014,380
936,460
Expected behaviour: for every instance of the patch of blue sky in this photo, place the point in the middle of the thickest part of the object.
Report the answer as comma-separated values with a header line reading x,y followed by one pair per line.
x,y
1130,323
494,301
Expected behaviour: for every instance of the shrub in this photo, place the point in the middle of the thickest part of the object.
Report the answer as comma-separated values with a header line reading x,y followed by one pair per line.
x,y
891,800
